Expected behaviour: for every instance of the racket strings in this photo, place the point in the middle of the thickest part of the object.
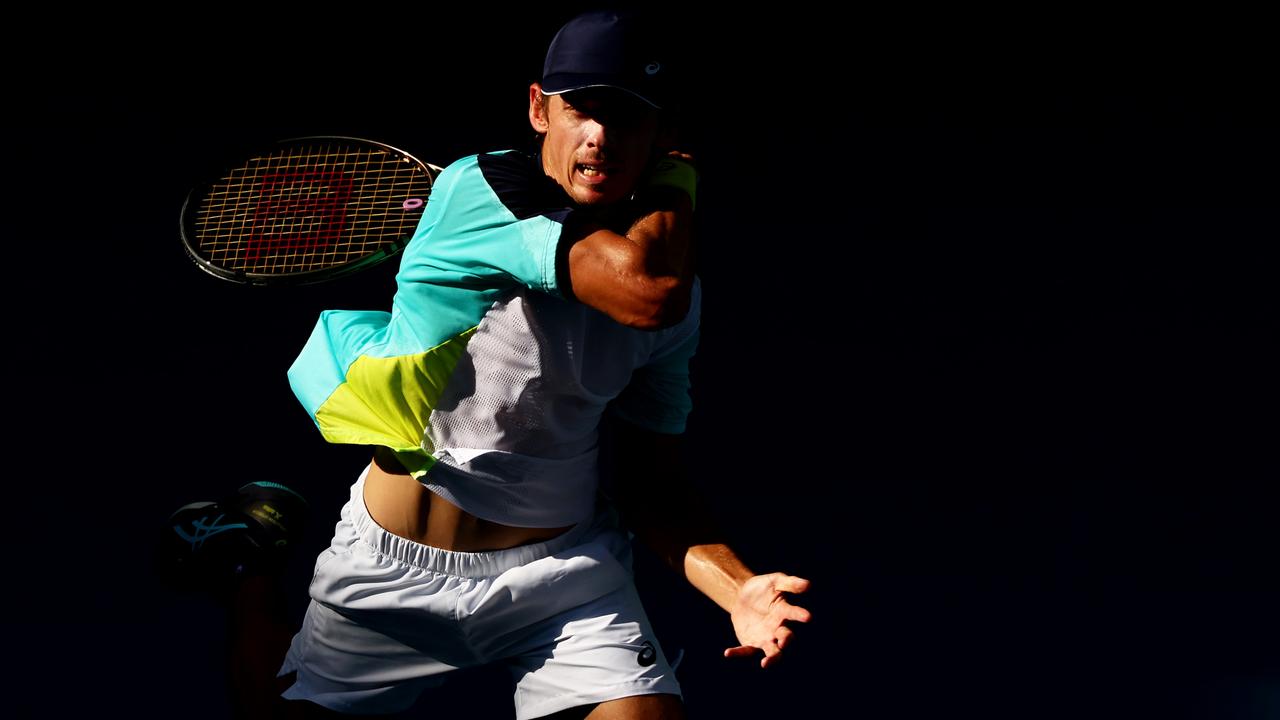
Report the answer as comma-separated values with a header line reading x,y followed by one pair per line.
x,y
309,207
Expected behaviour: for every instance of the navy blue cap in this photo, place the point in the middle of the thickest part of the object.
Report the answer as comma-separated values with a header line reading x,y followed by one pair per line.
x,y
605,49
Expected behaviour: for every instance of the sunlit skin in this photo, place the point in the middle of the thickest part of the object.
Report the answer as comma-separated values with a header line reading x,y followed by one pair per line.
x,y
597,141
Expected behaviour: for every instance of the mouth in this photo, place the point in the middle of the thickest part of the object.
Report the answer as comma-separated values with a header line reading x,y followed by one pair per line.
x,y
593,173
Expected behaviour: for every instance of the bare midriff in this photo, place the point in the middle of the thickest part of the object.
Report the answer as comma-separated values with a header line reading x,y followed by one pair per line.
x,y
404,506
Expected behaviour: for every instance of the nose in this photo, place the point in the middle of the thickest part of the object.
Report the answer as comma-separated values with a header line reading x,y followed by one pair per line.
x,y
598,134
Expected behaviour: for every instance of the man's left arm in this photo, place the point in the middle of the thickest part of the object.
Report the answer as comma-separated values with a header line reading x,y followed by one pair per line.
x,y
661,507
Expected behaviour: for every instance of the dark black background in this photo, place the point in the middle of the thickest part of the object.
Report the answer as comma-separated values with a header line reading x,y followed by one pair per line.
x,y
989,341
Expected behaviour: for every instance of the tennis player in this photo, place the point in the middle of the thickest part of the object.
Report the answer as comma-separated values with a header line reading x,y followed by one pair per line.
x,y
545,299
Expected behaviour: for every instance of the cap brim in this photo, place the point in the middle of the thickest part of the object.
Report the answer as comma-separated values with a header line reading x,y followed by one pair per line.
x,y
583,86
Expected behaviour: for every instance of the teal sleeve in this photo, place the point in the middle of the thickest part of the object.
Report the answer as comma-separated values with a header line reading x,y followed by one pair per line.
x,y
469,237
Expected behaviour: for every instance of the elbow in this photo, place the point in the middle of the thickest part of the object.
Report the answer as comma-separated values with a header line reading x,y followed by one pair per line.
x,y
664,302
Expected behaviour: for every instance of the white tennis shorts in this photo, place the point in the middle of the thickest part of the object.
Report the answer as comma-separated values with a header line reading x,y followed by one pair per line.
x,y
390,617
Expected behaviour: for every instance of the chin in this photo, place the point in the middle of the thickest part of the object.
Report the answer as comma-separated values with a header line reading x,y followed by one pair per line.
x,y
588,197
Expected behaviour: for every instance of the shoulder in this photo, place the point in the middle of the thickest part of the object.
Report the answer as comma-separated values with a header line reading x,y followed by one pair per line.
x,y
513,179
461,170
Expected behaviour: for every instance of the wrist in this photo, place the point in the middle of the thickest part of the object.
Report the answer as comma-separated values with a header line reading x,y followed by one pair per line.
x,y
674,174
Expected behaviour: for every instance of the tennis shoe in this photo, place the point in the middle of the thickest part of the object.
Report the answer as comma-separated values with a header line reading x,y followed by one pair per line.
x,y
208,544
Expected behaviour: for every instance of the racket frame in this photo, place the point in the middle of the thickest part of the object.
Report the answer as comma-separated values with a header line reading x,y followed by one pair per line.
x,y
187,218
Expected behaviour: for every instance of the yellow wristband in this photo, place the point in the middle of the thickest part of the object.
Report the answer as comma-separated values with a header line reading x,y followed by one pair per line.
x,y
676,173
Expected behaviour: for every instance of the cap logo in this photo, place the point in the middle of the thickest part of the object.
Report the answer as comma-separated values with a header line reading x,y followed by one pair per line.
x,y
652,68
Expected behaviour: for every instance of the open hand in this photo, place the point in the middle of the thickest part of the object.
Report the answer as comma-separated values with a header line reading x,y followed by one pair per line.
x,y
758,614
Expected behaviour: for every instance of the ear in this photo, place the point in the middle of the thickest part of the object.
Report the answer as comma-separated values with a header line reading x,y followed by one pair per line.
x,y
537,118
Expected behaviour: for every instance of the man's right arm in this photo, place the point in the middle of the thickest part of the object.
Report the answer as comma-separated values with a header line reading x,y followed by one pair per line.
x,y
642,277
661,507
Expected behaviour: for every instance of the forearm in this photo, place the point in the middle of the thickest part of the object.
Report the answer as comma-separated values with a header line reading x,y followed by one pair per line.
x,y
717,572
637,270
663,231
693,549
670,517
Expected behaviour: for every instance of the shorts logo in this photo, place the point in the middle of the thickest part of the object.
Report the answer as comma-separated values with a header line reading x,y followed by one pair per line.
x,y
648,654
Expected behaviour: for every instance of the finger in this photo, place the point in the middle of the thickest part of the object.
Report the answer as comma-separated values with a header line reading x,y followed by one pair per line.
x,y
797,613
739,651
773,651
783,636
791,584
771,648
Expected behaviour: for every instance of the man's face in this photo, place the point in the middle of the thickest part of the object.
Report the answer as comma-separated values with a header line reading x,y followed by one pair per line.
x,y
598,141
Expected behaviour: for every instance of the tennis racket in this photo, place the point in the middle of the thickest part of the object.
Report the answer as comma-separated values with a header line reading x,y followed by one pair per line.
x,y
306,210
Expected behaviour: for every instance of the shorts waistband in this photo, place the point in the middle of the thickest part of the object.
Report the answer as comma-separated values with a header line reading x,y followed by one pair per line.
x,y
450,562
